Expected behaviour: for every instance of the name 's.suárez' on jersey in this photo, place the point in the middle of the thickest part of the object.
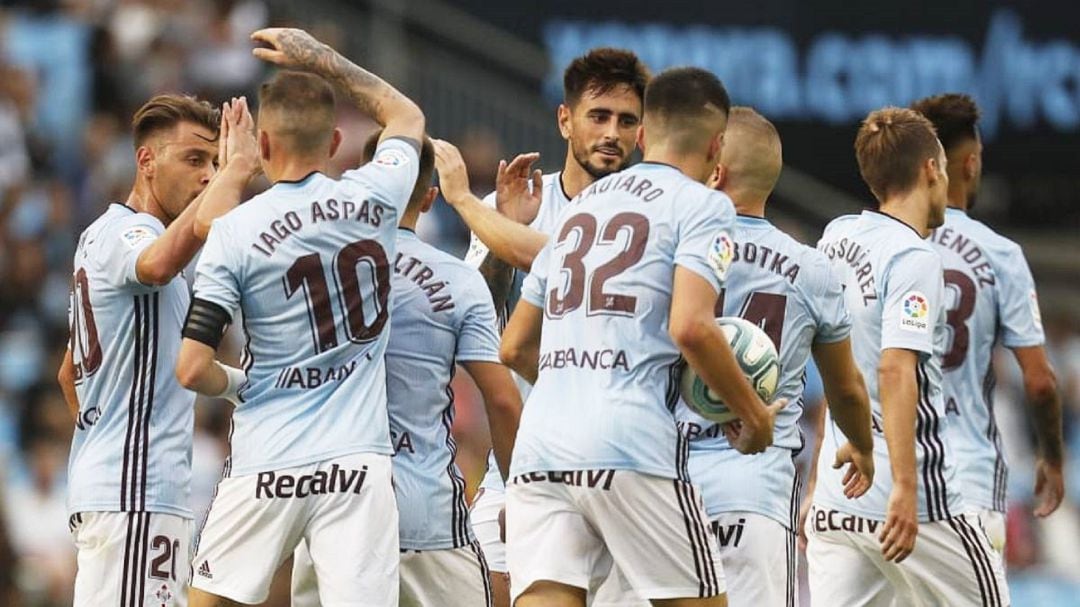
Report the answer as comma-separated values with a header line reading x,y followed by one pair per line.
x,y
369,212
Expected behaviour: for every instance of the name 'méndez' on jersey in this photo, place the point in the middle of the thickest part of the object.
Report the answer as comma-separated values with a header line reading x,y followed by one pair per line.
x,y
131,451
894,292
990,298
607,384
791,291
442,314
309,265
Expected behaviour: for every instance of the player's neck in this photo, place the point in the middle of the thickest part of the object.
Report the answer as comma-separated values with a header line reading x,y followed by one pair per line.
x,y
911,208
746,204
574,178
694,166
142,200
293,170
958,199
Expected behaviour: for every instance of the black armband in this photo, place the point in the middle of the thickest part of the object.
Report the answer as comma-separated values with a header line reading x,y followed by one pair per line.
x,y
206,322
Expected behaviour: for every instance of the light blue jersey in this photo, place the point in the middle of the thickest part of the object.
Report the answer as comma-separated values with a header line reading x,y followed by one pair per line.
x,y
131,451
607,385
309,264
442,314
990,298
791,292
894,291
553,200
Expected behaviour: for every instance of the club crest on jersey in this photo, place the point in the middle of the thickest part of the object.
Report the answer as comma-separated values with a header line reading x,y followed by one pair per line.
x,y
721,254
133,236
915,313
390,157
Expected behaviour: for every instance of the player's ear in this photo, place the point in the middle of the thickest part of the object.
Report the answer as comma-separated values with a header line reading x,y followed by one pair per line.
x,y
264,146
562,115
640,139
335,141
429,199
930,170
971,166
718,179
144,160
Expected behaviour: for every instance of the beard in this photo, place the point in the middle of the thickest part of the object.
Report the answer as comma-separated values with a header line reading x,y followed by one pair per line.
x,y
599,171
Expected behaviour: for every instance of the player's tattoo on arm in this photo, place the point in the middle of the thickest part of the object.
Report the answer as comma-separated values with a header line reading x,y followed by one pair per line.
x,y
366,90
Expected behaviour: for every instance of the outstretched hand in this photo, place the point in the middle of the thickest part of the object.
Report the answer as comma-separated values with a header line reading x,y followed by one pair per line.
x,y
453,175
518,188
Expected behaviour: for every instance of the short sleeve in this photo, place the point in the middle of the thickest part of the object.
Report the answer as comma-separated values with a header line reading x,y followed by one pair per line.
x,y
1021,321
834,320
534,289
705,244
216,274
391,174
913,291
478,340
478,251
121,246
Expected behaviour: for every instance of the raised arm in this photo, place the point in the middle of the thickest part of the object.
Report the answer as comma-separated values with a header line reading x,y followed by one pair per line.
x,y
515,243
693,328
1044,405
296,49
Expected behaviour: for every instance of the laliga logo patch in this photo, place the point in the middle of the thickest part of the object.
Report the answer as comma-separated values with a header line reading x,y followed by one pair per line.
x,y
721,254
915,314
133,236
391,157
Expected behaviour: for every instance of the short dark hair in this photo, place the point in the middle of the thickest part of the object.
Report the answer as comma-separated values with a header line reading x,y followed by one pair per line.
x,y
163,112
685,92
891,147
602,69
427,164
305,104
954,115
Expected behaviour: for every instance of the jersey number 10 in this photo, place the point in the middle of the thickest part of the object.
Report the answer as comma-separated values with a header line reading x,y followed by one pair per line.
x,y
359,267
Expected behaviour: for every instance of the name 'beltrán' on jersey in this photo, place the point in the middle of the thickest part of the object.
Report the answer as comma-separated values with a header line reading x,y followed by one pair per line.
x,y
791,291
308,263
990,298
131,451
442,314
607,385
894,291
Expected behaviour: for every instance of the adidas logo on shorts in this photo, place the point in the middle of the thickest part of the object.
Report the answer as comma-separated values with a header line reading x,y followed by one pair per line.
x,y
204,570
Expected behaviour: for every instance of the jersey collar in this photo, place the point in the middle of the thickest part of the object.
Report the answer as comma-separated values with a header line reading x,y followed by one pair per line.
x,y
873,212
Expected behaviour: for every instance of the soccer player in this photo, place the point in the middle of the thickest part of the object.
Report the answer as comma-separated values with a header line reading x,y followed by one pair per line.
x,y
442,314
991,297
792,293
599,118
863,551
307,263
628,282
129,475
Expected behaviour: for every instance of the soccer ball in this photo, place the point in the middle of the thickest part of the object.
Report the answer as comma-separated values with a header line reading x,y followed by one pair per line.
x,y
757,356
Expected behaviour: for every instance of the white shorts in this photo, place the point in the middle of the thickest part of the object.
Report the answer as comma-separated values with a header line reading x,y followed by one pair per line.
x,y
759,559
428,578
131,558
572,527
484,516
952,564
993,523
344,508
